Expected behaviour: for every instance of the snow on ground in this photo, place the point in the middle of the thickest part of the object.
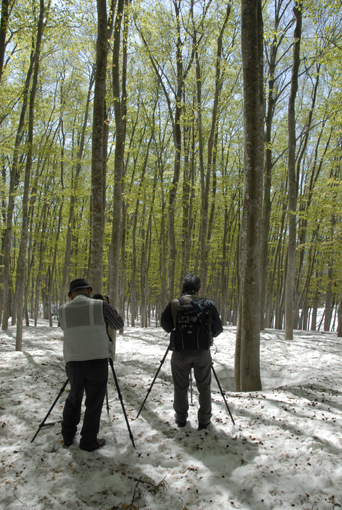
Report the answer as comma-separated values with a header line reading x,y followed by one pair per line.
x,y
284,451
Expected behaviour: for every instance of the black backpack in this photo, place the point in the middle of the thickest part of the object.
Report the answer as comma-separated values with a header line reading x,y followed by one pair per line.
x,y
193,325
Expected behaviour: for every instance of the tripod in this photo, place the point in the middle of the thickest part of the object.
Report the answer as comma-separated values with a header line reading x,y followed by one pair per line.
x,y
190,383
155,377
120,397
224,398
43,424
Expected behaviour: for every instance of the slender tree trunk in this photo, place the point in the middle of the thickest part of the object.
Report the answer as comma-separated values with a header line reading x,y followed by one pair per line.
x,y
98,161
329,291
122,286
54,261
119,94
145,262
163,251
267,178
339,315
3,32
3,214
30,258
186,220
188,197
14,182
291,256
247,356
21,266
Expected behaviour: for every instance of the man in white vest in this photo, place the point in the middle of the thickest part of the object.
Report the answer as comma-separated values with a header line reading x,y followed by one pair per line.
x,y
86,351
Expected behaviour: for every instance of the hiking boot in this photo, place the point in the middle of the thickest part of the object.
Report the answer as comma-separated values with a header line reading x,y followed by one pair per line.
x,y
180,423
203,426
99,443
68,442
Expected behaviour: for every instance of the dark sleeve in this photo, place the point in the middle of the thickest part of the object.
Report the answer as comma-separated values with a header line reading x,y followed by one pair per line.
x,y
166,320
216,325
111,317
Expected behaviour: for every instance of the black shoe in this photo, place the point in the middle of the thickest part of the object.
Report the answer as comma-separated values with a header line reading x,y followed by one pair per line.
x,y
68,442
202,426
180,423
99,443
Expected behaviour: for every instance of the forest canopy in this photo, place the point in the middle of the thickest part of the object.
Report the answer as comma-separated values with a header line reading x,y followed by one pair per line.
x,y
170,177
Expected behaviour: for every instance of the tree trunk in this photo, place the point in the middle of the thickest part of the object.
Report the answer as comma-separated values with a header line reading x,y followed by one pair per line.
x,y
247,356
3,32
313,326
188,197
266,216
291,256
329,297
14,182
120,125
53,267
339,315
21,266
98,159
145,262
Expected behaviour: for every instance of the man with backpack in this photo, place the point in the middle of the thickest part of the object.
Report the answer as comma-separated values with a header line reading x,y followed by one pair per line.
x,y
193,322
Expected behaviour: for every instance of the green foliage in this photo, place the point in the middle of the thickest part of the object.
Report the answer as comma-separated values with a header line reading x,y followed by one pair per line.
x,y
67,61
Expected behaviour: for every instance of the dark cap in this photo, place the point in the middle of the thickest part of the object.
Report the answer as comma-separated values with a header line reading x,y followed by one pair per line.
x,y
79,283
191,284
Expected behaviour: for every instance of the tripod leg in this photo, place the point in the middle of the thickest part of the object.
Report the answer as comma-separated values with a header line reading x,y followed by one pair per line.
x,y
224,398
53,405
155,377
122,404
190,378
107,403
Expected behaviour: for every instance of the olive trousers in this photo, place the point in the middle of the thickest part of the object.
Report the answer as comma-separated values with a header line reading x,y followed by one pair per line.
x,y
181,364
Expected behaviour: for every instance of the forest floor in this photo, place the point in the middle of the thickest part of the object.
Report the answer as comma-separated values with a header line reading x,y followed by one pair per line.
x,y
283,452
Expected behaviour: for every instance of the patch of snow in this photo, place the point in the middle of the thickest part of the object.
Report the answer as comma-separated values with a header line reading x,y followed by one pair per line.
x,y
284,451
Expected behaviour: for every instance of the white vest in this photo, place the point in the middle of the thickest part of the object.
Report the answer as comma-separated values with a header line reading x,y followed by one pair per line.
x,y
85,335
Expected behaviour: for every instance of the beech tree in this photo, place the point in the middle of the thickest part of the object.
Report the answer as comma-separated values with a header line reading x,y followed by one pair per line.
x,y
291,251
99,145
21,265
119,98
247,353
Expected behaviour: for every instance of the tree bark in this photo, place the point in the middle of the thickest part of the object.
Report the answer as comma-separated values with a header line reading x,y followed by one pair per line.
x,y
98,159
339,315
266,216
5,12
292,205
247,356
329,290
119,95
21,266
